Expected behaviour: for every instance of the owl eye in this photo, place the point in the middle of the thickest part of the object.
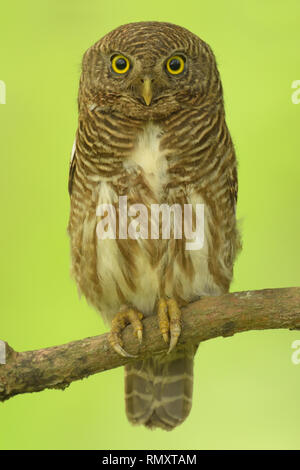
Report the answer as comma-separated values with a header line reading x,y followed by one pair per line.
x,y
175,65
120,64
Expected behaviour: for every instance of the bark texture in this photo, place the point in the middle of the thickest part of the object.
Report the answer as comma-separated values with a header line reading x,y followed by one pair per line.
x,y
210,317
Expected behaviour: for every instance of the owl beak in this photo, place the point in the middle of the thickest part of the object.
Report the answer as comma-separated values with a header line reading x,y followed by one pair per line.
x,y
147,91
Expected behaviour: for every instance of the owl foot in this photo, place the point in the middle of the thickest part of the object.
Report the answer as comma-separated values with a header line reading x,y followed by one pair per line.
x,y
120,321
169,316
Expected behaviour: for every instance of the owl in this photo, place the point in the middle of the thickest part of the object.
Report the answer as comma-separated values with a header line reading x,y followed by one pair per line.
x,y
151,133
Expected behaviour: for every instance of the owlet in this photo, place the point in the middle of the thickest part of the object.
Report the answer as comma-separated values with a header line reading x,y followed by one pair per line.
x,y
152,147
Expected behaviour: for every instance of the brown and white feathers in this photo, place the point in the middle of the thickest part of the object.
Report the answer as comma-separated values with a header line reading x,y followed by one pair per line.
x,y
175,150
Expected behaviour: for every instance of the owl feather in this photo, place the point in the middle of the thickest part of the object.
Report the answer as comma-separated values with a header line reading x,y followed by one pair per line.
x,y
152,127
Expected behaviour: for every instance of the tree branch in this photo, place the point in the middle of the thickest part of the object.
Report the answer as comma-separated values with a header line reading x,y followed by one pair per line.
x,y
210,317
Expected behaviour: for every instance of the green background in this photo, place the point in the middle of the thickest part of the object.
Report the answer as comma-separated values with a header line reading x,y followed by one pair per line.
x,y
246,388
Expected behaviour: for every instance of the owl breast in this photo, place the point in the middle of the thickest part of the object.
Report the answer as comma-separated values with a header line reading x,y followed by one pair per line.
x,y
139,271
148,159
125,267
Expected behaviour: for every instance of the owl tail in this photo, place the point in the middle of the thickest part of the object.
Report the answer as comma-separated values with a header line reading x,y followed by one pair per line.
x,y
158,390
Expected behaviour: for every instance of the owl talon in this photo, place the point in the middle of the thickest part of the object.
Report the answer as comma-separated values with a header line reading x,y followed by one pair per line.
x,y
166,337
120,321
140,336
169,316
118,348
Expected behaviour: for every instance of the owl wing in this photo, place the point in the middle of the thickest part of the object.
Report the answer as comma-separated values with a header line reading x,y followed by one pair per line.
x,y
72,167
233,185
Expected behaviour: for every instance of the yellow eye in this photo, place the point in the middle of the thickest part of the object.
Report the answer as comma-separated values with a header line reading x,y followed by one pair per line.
x,y
175,65
120,64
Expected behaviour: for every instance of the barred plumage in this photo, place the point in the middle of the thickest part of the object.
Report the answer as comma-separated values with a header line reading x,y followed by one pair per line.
x,y
158,391
177,150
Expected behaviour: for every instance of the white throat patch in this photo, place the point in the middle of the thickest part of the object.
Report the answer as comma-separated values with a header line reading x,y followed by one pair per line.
x,y
148,156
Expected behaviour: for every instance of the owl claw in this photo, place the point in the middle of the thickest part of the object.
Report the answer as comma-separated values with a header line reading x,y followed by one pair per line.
x,y
165,337
169,316
120,321
140,336
118,348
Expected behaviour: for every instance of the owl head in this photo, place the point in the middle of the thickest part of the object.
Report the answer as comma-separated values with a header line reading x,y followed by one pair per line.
x,y
149,70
